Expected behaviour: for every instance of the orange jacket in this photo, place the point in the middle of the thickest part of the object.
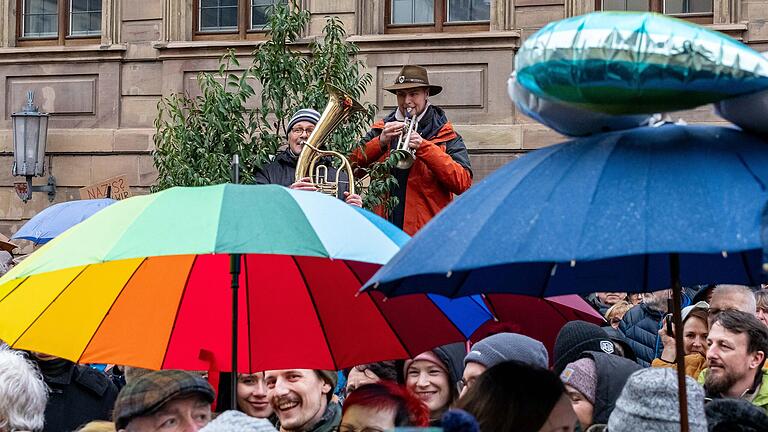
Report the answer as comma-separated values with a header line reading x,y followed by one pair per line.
x,y
441,168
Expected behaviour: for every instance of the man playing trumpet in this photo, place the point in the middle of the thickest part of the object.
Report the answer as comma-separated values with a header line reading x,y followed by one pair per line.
x,y
282,170
441,165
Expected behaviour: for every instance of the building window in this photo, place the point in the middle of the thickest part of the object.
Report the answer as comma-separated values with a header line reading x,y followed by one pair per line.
x,y
58,20
85,18
437,15
682,8
231,17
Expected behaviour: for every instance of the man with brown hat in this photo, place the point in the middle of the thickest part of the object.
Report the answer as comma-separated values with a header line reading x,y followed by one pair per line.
x,y
167,400
441,167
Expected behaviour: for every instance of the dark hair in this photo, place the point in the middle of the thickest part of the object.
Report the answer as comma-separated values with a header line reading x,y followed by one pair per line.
x,y
409,410
513,396
742,322
385,370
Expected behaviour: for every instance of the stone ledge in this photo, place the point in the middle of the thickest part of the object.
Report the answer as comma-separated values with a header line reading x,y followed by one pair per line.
x,y
57,53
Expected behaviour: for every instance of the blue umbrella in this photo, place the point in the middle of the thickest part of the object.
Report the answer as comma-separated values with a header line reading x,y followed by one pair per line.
x,y
601,213
56,219
637,210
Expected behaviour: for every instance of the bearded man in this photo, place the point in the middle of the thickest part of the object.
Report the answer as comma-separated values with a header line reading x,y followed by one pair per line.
x,y
738,343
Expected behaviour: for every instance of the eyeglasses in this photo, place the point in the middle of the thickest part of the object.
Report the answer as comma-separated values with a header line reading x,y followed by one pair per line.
x,y
299,131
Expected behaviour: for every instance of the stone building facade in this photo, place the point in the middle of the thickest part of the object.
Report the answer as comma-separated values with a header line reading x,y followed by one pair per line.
x,y
101,79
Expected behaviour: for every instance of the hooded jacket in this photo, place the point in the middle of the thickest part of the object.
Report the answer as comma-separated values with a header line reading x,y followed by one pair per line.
x,y
282,170
612,373
441,169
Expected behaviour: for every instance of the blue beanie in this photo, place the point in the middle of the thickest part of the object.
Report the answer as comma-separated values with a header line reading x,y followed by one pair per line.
x,y
504,347
304,114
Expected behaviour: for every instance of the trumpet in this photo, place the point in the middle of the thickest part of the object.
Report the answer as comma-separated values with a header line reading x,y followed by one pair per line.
x,y
406,155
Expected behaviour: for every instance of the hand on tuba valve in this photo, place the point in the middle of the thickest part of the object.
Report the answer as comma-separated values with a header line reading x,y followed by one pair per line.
x,y
406,155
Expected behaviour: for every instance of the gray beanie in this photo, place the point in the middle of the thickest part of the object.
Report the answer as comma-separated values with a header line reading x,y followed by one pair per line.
x,y
236,421
503,347
304,114
649,403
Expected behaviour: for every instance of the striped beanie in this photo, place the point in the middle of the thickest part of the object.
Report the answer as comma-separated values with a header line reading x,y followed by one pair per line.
x,y
304,114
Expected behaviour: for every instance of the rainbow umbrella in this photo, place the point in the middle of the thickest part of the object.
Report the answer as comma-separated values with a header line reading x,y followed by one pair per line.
x,y
145,282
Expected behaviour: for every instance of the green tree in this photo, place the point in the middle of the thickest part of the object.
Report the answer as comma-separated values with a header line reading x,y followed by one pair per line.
x,y
196,136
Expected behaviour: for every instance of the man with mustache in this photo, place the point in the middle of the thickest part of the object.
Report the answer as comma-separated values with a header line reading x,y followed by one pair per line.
x,y
738,343
303,399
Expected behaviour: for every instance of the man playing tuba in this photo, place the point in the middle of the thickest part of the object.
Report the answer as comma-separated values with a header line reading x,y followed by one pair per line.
x,y
282,170
440,165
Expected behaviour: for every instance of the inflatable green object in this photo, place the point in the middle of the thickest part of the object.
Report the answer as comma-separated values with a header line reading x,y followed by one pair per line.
x,y
634,63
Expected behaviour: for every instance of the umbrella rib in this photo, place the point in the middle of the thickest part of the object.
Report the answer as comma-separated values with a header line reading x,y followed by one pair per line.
x,y
383,315
247,314
49,305
26,278
109,310
176,316
317,314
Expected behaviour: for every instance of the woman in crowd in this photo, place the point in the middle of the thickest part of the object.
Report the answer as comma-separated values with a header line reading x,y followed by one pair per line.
x,y
251,395
761,300
382,406
433,377
695,332
370,373
516,397
615,313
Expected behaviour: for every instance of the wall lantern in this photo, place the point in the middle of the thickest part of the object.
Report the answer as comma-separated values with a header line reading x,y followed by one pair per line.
x,y
30,133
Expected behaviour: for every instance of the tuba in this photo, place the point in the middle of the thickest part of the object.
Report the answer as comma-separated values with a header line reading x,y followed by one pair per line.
x,y
340,107
406,155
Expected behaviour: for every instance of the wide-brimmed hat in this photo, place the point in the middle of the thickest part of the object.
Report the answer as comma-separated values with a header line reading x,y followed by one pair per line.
x,y
412,76
6,245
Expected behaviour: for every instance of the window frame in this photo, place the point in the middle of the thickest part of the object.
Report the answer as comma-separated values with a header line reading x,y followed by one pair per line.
x,y
63,37
440,22
659,6
243,31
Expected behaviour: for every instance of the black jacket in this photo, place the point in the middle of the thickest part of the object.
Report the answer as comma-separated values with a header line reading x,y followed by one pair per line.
x,y
281,171
79,394
612,373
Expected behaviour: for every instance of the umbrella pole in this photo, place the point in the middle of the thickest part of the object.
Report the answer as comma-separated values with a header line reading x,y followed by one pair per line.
x,y
234,270
674,267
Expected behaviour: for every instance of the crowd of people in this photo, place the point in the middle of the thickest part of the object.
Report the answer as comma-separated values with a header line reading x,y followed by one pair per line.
x,y
618,377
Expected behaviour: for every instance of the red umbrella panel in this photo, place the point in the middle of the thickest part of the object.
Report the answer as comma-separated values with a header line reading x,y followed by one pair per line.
x,y
539,318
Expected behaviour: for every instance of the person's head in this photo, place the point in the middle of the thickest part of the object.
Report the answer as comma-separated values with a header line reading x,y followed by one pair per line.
x,y
434,375
615,313
515,396
735,415
649,402
657,300
761,305
731,297
413,89
23,393
252,395
382,406
577,337
370,373
580,379
166,400
98,426
299,396
611,298
499,348
738,343
300,127
695,328
635,298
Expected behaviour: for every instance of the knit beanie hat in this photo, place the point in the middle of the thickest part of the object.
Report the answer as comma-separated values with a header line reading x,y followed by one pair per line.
x,y
735,415
236,421
304,114
581,375
503,347
649,403
576,337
